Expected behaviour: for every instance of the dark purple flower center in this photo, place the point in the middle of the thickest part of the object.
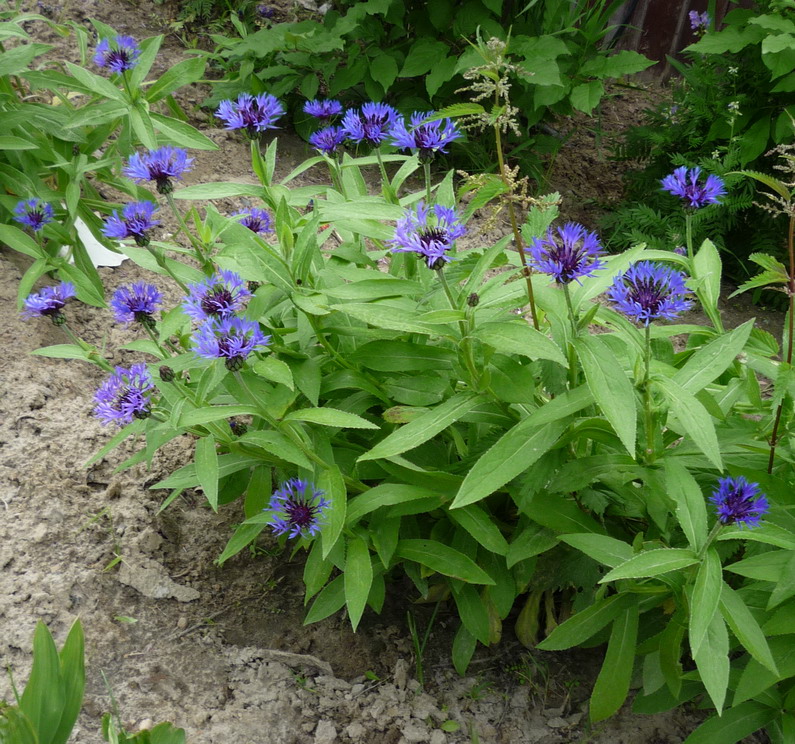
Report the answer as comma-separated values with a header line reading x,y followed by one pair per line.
x,y
737,503
55,307
300,513
431,237
217,301
648,294
36,218
132,398
255,224
120,58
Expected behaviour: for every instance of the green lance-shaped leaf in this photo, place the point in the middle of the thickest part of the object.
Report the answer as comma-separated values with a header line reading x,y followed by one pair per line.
x,y
745,628
520,338
583,624
612,684
73,681
712,661
442,559
704,599
734,725
332,484
425,427
602,548
331,599
358,578
43,700
691,509
16,728
207,469
652,563
611,388
330,417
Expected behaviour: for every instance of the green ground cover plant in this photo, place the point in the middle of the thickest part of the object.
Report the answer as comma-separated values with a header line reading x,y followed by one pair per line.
x,y
526,430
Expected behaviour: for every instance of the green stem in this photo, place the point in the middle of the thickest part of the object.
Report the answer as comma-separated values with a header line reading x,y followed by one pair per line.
x,y
647,400
466,343
386,186
207,265
572,352
714,532
689,237
426,167
93,354
126,84
150,332
159,256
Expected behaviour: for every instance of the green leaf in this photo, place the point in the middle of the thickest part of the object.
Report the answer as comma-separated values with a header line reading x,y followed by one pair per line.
x,y
73,681
329,601
529,543
772,183
764,567
520,338
712,360
181,133
712,661
386,316
583,624
425,52
332,484
384,70
43,699
705,598
691,509
606,550
358,578
183,73
585,97
384,494
755,678
166,733
219,190
517,450
274,369
610,387
745,628
20,241
16,728
707,273
207,469
464,645
278,445
560,513
425,427
330,417
95,83
472,612
442,559
402,356
734,725
9,142
482,527
612,684
694,418
652,563
62,351
243,535
208,414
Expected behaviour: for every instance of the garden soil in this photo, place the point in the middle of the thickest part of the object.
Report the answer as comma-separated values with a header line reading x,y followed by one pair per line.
x,y
222,651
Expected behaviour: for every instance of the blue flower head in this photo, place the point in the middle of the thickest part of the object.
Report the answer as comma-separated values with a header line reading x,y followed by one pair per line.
x,y
34,213
160,166
124,396
231,339
218,296
699,22
685,184
256,220
252,113
324,110
135,221
49,302
570,254
328,140
136,302
371,124
430,232
648,291
297,508
427,139
739,502
265,11
118,55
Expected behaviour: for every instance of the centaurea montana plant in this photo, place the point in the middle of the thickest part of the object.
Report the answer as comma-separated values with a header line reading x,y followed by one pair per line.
x,y
125,396
33,213
49,302
232,339
324,110
297,508
136,302
118,54
219,296
135,221
254,114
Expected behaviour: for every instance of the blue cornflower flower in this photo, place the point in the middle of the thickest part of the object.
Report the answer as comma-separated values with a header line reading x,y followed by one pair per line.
x,y
428,138
118,55
137,301
160,166
739,502
34,213
49,302
256,220
699,22
328,140
685,184
254,114
648,291
571,254
265,11
125,395
371,124
297,508
429,232
218,296
135,221
325,110
231,339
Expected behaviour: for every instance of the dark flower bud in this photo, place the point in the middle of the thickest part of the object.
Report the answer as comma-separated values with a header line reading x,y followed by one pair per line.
x,y
253,286
238,427
473,299
58,319
166,374
235,363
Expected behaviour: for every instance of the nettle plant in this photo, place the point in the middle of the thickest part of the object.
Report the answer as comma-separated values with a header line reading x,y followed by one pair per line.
x,y
364,385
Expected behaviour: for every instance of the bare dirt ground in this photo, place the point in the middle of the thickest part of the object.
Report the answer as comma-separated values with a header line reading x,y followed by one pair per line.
x,y
223,651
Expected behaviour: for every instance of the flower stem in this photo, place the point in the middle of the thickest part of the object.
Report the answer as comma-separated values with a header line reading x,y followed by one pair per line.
x,y
466,343
689,237
714,532
207,265
426,167
150,332
647,401
91,352
158,255
386,186
790,333
517,236
572,354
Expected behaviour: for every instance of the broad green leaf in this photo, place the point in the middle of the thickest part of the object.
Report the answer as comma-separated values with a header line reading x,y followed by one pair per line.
x,y
764,567
73,680
517,450
243,535
207,469
358,578
694,418
652,563
329,601
424,54
385,316
166,733
734,725
183,73
707,273
208,414
713,359
520,338
712,661
402,356
704,599
691,509
583,624
16,728
602,548
333,485
62,351
384,70
181,133
274,369
586,96
482,527
767,533
532,540
9,142
472,612
442,559
221,190
464,645
43,699
612,684
425,427
561,514
610,387
385,494
375,289
755,678
330,417
95,83
745,627
278,445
